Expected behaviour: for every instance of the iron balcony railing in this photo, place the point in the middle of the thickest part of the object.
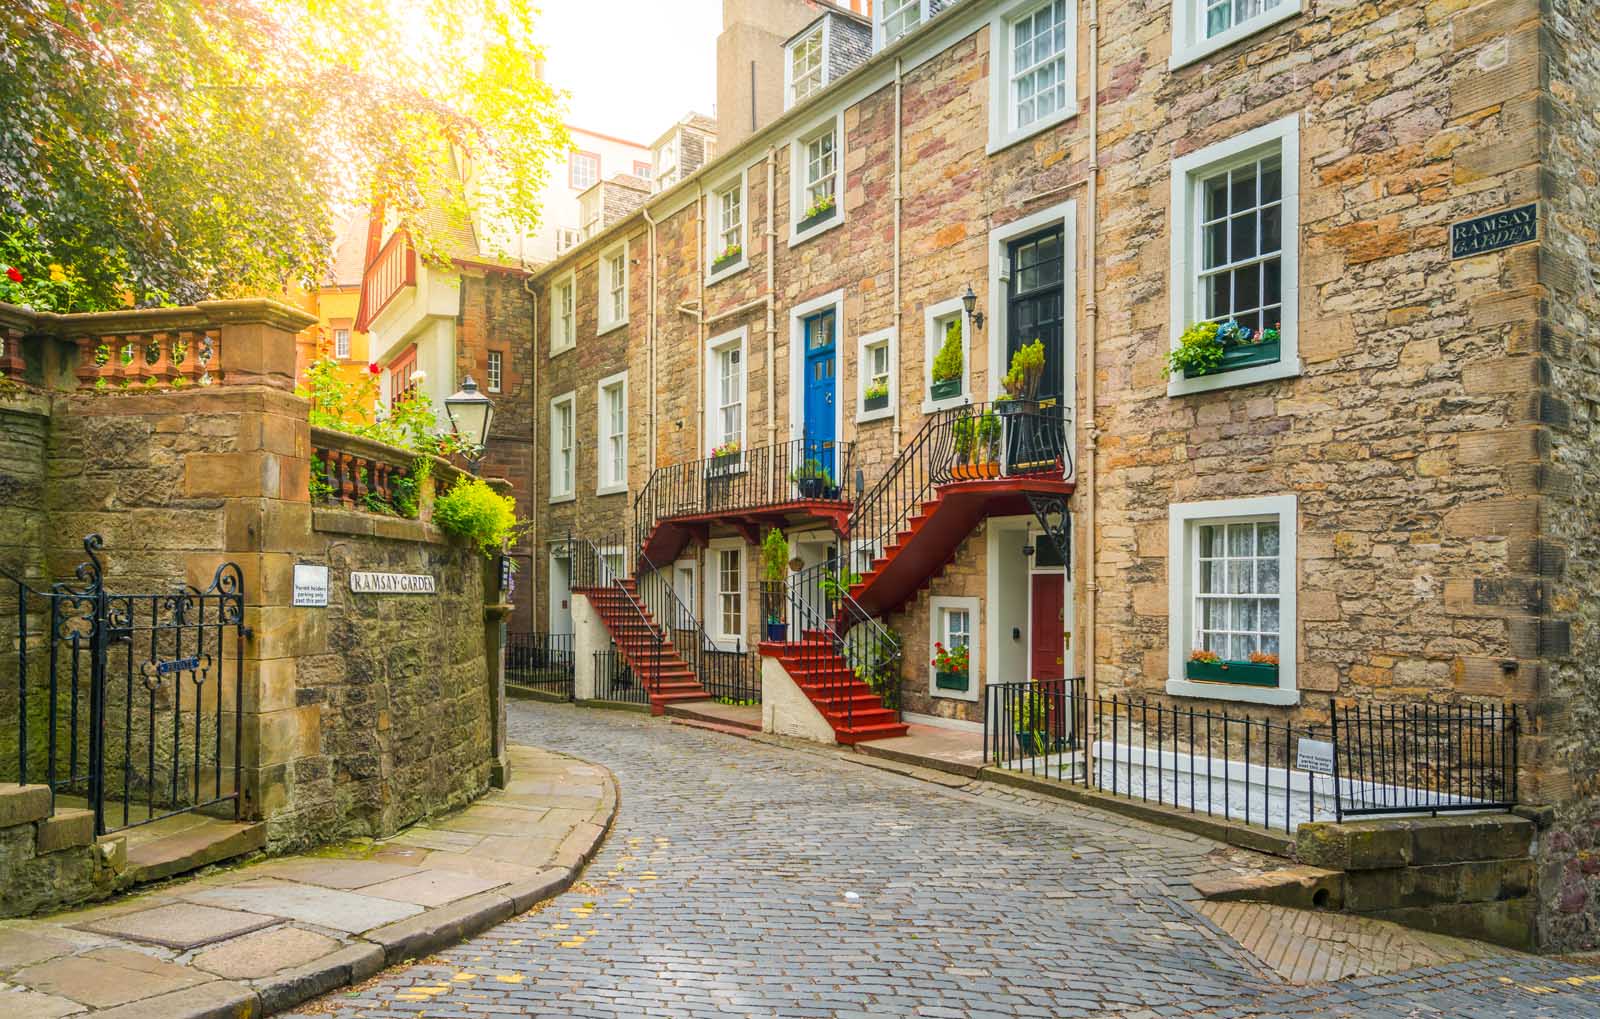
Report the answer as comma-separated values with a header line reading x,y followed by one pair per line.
x,y
1272,774
541,661
744,480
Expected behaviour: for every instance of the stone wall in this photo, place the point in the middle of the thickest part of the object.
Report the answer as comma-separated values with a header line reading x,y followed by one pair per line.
x,y
50,859
24,433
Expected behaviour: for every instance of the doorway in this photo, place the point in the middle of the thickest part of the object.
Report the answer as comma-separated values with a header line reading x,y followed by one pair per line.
x,y
1049,613
560,594
821,382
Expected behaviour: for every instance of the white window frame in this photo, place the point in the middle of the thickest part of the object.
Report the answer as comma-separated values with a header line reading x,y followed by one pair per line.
x,y
797,362
564,338
864,346
607,319
1189,43
714,244
567,238
572,168
880,14
823,33
933,339
713,588
937,607
494,370
799,200
666,159
1182,569
1187,174
738,339
1003,130
591,210
563,489
605,430
341,350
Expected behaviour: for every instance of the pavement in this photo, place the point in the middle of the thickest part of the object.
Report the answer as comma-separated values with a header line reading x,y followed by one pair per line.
x,y
263,937
745,877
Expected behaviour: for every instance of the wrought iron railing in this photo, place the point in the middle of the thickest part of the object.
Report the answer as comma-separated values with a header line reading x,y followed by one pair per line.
x,y
616,681
833,641
970,443
593,570
541,661
1273,774
748,479
731,677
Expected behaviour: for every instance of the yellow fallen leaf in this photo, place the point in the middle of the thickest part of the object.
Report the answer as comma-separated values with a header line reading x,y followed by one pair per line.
x,y
463,975
509,978
574,942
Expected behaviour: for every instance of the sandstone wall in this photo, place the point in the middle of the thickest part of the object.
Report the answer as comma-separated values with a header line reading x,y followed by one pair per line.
x,y
24,434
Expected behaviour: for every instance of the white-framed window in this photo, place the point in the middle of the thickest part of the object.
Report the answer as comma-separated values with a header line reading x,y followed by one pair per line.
x,y
563,323
611,407
495,371
589,207
583,169
1235,251
613,288
1201,27
897,17
1231,568
725,611
875,374
727,234
953,622
1034,58
341,344
643,169
817,180
806,69
939,320
567,238
563,447
666,160
725,391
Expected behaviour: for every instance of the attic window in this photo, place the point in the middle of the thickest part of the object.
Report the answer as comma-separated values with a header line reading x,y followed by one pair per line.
x,y
807,66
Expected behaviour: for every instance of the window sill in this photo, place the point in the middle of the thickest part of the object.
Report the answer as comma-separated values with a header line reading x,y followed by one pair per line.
x,y
798,237
969,695
881,414
569,497
558,351
1000,142
1203,48
930,406
1287,368
612,490
1281,695
610,327
726,271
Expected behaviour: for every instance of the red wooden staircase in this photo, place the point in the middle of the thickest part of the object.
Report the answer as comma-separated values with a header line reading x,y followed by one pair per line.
x,y
644,645
849,705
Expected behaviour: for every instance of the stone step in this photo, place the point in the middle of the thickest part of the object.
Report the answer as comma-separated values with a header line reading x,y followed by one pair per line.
x,y
193,848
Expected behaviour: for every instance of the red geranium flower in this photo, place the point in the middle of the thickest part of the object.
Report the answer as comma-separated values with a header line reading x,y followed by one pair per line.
x,y
373,368
14,274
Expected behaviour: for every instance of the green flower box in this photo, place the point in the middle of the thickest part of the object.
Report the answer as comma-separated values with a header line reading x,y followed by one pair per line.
x,y
1242,673
952,680
943,389
875,402
719,264
1247,355
822,217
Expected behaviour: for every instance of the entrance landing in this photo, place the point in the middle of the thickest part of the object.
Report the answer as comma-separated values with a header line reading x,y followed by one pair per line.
x,y
175,845
929,746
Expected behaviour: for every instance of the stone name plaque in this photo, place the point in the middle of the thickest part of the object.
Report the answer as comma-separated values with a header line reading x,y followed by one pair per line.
x,y
1497,230
391,583
310,586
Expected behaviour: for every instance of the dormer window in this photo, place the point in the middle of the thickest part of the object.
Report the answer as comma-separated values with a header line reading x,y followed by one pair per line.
x,y
667,162
806,70
897,17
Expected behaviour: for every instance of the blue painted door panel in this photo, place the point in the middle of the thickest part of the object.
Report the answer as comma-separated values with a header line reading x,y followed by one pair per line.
x,y
821,385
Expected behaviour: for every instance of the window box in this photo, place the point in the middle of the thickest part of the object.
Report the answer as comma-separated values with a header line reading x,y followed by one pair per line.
x,y
725,261
1246,355
872,403
1247,673
944,389
820,217
952,680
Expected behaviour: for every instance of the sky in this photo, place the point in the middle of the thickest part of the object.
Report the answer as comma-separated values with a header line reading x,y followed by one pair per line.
x,y
633,67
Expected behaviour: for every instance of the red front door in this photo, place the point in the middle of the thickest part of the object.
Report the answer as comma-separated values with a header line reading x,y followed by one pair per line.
x,y
1049,621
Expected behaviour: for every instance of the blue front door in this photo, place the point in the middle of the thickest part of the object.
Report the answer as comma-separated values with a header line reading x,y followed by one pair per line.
x,y
820,368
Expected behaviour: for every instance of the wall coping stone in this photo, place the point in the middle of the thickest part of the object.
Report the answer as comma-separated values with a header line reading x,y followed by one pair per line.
x,y
201,315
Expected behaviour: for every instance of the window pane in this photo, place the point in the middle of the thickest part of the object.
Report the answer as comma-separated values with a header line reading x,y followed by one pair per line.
x,y
1216,245
1210,541
1240,539
1267,576
1268,536
1211,576
1272,229
1240,646
1241,579
1269,614
1271,179
1216,613
1216,197
1244,614
1243,231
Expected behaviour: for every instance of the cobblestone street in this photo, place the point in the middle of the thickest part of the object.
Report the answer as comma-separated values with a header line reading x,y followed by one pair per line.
x,y
753,880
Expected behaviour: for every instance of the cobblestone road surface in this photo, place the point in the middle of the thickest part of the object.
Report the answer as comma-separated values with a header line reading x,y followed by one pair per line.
x,y
749,880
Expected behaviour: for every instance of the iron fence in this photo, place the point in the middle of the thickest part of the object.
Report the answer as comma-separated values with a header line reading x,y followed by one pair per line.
x,y
541,661
1274,774
732,677
614,680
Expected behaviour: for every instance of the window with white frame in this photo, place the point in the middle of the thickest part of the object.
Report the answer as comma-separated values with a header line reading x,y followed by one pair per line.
x,y
1201,27
643,169
612,408
897,17
946,326
729,607
563,446
729,244
953,624
816,187
808,68
820,165
666,160
583,170
1235,254
1232,570
341,344
876,376
589,212
727,389
567,238
614,287
495,370
563,298
1038,68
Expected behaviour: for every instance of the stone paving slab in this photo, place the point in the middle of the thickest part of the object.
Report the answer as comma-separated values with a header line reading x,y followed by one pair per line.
x,y
265,937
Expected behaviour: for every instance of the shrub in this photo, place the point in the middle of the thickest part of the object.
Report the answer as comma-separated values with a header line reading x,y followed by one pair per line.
x,y
947,363
1027,368
774,556
473,510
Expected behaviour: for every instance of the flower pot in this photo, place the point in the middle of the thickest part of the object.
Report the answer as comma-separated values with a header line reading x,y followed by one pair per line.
x,y
944,389
1245,673
875,402
1006,408
822,217
778,632
719,264
811,488
723,463
951,680
977,472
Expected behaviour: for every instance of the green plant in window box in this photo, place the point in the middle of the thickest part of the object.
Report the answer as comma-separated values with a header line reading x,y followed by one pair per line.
x,y
1021,382
946,371
875,396
1209,667
951,668
818,211
729,255
1207,348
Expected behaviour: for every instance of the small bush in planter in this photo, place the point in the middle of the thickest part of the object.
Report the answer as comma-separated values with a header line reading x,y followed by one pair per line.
x,y
774,560
820,209
812,478
471,509
725,452
729,255
977,441
947,363
1031,723
1027,369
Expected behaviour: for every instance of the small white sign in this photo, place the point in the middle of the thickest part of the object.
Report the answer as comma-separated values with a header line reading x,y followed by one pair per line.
x,y
1315,755
392,583
310,586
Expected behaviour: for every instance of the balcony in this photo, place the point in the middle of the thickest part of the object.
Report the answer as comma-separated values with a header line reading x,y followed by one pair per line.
x,y
749,491
392,271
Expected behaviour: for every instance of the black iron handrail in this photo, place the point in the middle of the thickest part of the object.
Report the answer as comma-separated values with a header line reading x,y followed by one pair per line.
x,y
591,572
827,625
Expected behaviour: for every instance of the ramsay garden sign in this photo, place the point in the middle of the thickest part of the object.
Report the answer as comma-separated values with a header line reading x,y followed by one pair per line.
x,y
1483,234
391,583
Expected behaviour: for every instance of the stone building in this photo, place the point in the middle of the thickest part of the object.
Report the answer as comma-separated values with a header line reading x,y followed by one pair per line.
x,y
1382,494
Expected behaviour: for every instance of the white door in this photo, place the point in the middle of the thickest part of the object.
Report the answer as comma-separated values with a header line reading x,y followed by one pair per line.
x,y
560,594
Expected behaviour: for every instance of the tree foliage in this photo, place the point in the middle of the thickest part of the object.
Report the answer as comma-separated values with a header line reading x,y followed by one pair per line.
x,y
176,150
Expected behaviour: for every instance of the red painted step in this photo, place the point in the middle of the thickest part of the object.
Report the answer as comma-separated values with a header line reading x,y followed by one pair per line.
x,y
855,713
666,677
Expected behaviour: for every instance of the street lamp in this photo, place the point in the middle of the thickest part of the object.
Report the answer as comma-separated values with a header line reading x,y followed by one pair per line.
x,y
470,415
969,301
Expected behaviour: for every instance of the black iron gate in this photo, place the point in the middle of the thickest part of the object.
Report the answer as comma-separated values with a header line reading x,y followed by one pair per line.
x,y
125,703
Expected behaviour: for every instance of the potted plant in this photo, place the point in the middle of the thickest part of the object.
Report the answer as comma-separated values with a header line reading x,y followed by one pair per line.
x,y
1031,723
950,668
774,559
977,442
836,585
726,456
1207,348
821,209
1021,382
729,256
876,396
812,479
1205,666
946,372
